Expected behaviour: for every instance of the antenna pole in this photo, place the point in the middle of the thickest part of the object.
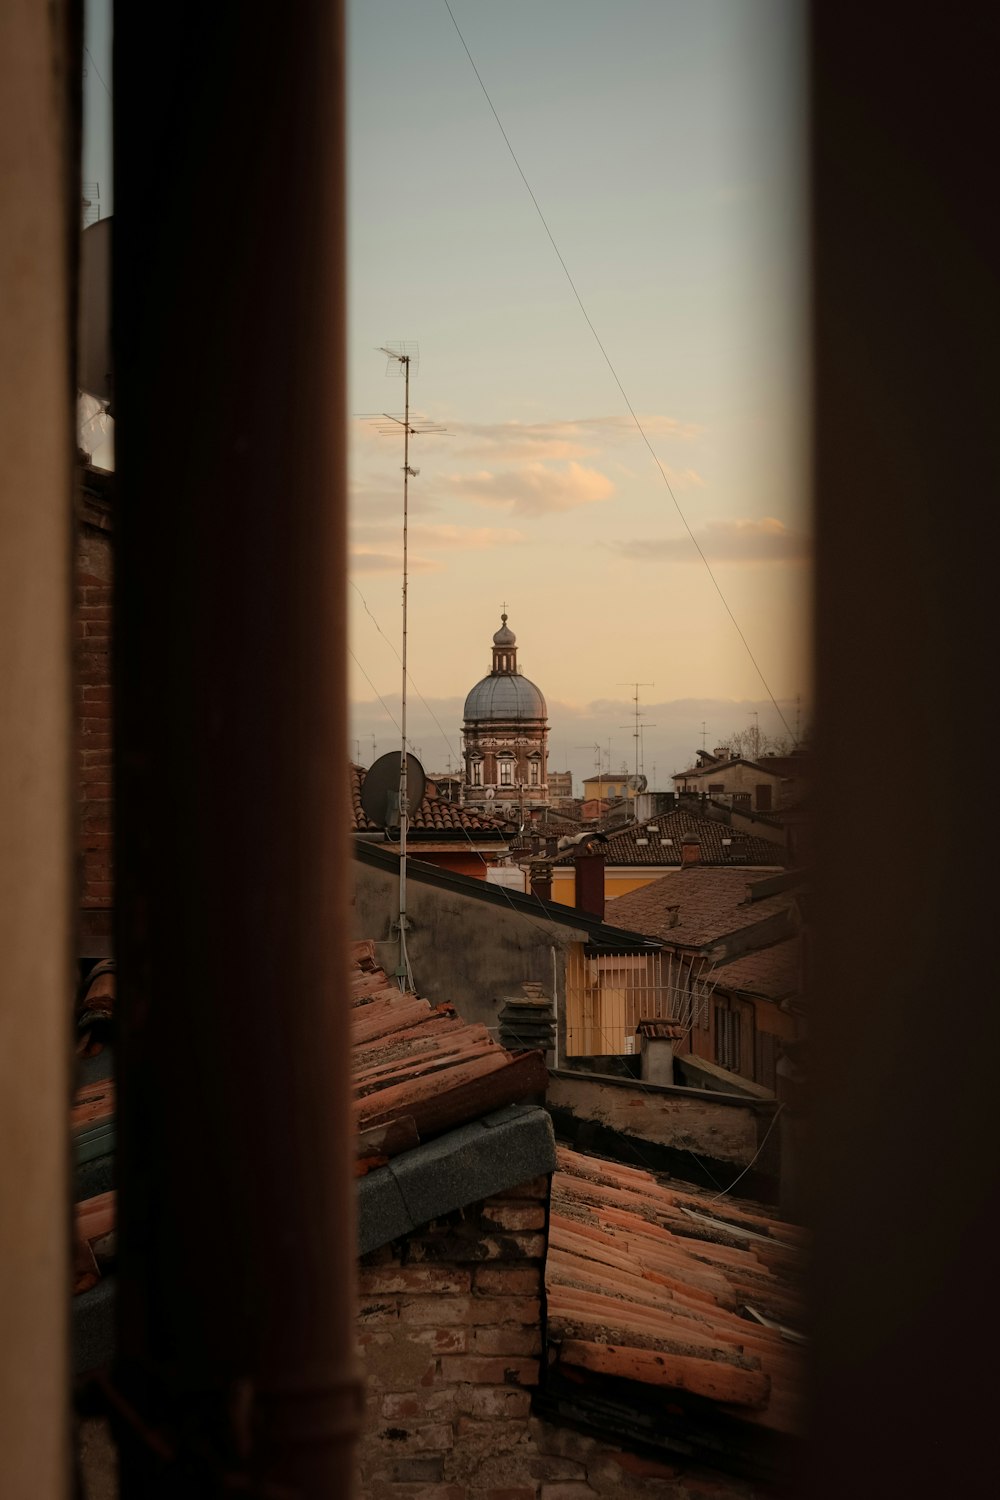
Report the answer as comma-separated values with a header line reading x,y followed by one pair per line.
x,y
387,425
404,962
635,732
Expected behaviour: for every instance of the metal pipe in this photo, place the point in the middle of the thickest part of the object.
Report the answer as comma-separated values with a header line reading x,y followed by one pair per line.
x,y
39,115
236,1235
404,961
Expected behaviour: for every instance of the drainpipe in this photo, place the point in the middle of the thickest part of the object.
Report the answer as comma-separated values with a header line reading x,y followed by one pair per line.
x,y
236,1226
555,1007
39,230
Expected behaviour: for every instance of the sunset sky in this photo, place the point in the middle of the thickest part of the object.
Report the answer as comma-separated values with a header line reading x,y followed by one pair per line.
x,y
663,141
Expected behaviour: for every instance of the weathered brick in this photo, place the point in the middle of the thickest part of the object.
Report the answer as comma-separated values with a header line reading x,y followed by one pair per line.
x,y
506,1341
424,1492
376,1280
538,1187
485,1438
479,1247
385,1310
400,1366
411,1471
515,1217
401,1406
634,1463
550,1469
499,1403
451,1340
428,1437
562,1442
505,1310
383,1256
509,1371
444,1310
509,1281
510,1492
407,1406
370,1338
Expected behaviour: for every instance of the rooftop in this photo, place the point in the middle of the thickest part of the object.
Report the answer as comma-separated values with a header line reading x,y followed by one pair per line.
x,y
696,906
676,1290
657,841
434,813
772,972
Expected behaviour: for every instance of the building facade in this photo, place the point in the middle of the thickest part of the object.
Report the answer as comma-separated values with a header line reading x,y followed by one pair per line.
x,y
506,735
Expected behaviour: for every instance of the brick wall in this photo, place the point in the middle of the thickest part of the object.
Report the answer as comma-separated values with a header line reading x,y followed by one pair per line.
x,y
450,1339
92,687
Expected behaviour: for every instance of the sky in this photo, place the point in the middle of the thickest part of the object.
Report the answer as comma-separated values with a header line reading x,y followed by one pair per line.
x,y
663,144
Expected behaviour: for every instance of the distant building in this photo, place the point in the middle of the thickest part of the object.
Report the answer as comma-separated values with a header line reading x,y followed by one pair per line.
x,y
604,789
765,785
506,736
560,786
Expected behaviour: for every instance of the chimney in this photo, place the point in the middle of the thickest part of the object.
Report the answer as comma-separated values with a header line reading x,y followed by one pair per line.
x,y
690,851
541,879
656,1049
588,863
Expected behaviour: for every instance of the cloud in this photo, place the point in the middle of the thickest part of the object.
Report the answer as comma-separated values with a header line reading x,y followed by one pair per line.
x,y
534,489
368,500
444,538
363,561
560,441
764,540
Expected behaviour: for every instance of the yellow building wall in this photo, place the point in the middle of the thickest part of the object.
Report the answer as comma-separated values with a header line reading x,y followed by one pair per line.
x,y
615,884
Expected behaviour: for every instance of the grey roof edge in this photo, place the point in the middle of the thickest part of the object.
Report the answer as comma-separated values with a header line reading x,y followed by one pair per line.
x,y
488,1156
756,1102
595,928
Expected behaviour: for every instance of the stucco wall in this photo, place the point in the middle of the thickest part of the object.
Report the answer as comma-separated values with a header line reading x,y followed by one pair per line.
x,y
468,951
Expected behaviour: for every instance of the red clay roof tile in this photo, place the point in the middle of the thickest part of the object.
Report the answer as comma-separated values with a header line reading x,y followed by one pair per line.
x,y
648,1282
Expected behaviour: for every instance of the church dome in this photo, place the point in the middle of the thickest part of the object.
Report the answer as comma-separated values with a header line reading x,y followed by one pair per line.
x,y
505,696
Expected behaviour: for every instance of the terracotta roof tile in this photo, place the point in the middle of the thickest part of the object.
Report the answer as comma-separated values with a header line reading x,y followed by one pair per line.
x,y
642,843
709,903
651,1283
411,1061
417,1070
772,972
433,813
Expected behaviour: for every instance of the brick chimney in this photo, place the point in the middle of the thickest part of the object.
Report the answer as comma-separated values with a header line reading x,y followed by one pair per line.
x,y
656,1049
541,878
589,866
690,851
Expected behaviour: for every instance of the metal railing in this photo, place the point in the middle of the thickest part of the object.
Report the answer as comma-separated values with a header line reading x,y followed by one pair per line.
x,y
609,994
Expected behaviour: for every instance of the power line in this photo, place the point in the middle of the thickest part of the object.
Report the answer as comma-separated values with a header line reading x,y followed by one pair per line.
x,y
98,72
607,359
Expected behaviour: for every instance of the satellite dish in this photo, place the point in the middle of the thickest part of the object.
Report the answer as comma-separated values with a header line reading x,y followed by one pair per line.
x,y
95,376
380,793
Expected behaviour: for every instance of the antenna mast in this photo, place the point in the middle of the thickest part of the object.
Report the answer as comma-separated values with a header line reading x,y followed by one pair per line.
x,y
403,355
637,732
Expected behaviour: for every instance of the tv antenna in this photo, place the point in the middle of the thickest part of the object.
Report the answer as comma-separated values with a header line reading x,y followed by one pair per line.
x,y
637,731
598,766
400,358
